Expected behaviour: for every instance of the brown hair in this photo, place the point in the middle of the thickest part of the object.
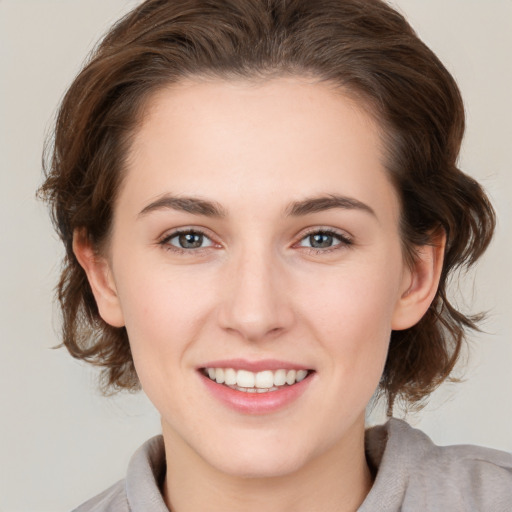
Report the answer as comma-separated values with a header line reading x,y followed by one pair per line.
x,y
362,46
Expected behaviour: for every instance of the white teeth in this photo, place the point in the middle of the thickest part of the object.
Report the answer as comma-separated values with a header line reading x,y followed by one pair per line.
x,y
219,375
290,377
254,390
252,382
245,379
229,376
301,375
280,378
264,379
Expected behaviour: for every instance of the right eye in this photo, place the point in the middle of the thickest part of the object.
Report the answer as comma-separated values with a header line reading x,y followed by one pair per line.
x,y
187,240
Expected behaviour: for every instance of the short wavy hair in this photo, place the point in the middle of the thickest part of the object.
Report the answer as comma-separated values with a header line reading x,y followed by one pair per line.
x,y
364,47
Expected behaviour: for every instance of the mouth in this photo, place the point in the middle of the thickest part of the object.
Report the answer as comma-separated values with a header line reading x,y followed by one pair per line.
x,y
257,387
265,381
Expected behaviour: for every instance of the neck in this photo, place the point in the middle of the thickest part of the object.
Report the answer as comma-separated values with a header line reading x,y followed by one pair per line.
x,y
337,480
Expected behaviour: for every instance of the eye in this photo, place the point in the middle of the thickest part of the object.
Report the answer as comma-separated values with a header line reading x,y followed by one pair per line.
x,y
324,240
187,240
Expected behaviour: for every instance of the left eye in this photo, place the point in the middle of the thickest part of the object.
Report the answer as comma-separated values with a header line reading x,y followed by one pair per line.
x,y
323,240
189,240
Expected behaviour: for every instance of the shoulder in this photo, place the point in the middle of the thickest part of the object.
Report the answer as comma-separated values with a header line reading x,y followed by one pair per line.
x,y
140,488
112,500
423,476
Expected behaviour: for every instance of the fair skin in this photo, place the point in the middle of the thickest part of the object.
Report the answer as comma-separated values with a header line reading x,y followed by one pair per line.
x,y
289,254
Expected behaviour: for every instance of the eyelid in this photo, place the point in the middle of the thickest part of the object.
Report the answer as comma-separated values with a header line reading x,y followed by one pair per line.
x,y
164,239
345,239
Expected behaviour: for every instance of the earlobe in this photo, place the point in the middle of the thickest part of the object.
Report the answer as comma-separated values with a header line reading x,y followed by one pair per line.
x,y
420,283
100,279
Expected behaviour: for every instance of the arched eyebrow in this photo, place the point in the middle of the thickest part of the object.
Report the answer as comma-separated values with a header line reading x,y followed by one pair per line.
x,y
207,208
328,202
194,205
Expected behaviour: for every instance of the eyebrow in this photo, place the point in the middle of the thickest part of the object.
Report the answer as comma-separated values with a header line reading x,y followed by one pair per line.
x,y
207,208
192,205
322,203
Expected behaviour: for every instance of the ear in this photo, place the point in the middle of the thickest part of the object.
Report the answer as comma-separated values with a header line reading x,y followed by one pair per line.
x,y
100,278
420,283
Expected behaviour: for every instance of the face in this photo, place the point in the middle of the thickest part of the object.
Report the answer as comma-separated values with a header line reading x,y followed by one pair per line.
x,y
255,243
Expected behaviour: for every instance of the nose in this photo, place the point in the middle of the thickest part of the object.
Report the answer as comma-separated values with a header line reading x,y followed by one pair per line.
x,y
256,303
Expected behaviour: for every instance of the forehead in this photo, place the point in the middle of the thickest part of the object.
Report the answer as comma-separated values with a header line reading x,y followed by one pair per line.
x,y
236,138
284,110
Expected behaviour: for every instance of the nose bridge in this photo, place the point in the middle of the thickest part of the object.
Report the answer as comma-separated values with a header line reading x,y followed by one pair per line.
x,y
255,304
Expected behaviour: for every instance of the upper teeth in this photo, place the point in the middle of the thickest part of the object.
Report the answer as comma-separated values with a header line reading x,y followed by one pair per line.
x,y
263,380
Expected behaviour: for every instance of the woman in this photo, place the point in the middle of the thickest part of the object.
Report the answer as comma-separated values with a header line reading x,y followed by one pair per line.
x,y
261,208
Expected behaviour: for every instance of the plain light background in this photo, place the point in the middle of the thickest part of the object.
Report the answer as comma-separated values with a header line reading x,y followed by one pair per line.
x,y
60,442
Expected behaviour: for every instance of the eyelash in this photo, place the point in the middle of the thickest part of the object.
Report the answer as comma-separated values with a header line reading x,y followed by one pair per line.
x,y
344,241
165,241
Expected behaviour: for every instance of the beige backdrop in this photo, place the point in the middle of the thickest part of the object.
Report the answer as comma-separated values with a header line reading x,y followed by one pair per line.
x,y
60,443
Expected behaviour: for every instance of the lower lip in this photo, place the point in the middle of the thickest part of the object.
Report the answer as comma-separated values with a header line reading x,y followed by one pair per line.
x,y
257,403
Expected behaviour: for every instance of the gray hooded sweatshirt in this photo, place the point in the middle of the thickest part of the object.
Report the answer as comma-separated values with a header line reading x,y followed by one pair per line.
x,y
412,475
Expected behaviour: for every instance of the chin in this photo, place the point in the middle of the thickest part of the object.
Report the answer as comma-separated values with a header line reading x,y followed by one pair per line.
x,y
261,457
261,466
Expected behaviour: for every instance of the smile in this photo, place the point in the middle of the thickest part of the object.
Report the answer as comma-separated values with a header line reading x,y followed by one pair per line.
x,y
255,382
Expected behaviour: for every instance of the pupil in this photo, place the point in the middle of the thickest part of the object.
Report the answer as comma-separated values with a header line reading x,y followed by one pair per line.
x,y
320,240
191,240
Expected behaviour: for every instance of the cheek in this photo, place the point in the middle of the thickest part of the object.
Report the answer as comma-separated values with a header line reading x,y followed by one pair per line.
x,y
164,320
164,311
352,317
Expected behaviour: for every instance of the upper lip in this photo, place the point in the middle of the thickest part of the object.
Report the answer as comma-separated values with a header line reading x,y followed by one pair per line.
x,y
254,366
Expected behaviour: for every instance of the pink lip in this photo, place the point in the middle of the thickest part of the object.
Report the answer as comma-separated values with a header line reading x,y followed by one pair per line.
x,y
256,403
255,366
